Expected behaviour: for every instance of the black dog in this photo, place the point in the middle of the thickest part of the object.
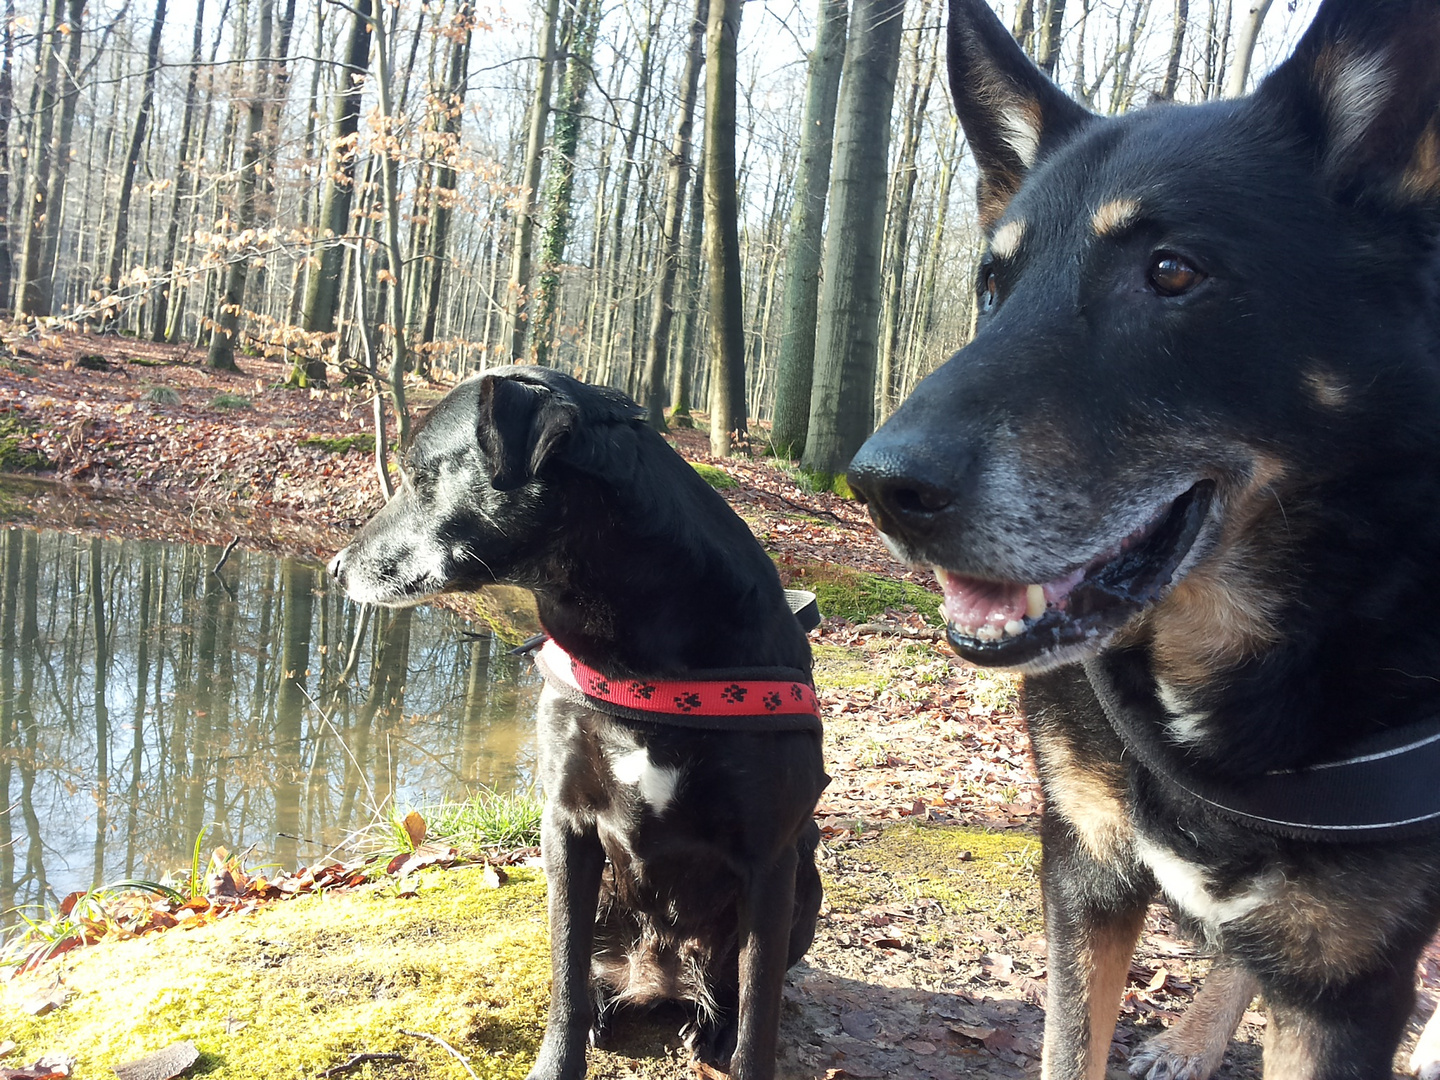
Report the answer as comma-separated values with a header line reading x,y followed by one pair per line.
x,y
645,578
1187,479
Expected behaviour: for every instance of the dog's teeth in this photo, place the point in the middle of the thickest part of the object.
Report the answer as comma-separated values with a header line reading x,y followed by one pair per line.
x,y
1034,601
988,633
1014,628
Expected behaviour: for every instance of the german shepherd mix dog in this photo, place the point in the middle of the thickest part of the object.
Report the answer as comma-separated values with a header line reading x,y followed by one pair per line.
x,y
1186,479
678,836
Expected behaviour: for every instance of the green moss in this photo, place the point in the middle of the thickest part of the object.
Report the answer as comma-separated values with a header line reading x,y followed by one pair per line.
x,y
839,668
229,401
12,457
508,610
717,478
817,482
999,878
341,444
305,984
857,595
144,361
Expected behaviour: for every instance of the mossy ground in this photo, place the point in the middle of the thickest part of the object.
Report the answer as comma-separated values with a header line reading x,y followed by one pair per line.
x,y
994,875
717,478
301,986
857,595
341,444
12,458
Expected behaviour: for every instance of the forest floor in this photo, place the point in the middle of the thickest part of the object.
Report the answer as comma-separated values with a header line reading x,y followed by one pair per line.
x,y
929,957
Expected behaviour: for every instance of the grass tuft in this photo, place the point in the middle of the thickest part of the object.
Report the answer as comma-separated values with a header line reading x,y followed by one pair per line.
x,y
487,819
229,401
162,395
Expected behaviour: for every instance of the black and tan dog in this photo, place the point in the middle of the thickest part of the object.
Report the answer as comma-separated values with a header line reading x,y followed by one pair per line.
x,y
1187,479
679,849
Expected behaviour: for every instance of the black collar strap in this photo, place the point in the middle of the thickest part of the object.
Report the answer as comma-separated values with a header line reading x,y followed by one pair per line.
x,y
1387,788
755,699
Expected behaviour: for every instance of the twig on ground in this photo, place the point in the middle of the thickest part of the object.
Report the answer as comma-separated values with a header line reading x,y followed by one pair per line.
x,y
356,1060
922,633
461,1058
817,510
225,556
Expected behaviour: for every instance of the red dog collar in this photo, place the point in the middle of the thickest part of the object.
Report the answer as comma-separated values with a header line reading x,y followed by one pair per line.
x,y
765,699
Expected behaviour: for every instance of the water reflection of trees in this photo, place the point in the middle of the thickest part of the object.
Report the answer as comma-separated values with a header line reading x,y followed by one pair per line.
x,y
143,699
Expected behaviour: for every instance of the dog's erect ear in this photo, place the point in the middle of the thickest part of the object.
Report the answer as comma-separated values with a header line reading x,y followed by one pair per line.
x,y
1012,114
1364,89
519,426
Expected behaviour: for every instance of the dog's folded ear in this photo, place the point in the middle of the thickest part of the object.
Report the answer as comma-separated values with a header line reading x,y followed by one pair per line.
x,y
1012,113
1363,89
519,426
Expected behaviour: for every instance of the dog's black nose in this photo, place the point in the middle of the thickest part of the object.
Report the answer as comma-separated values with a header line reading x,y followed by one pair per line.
x,y
906,486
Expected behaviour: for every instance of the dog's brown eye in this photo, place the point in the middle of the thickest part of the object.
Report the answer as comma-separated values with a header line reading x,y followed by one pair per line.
x,y
989,291
1171,275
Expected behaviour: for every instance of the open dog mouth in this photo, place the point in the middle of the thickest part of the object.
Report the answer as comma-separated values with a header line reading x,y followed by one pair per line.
x,y
1009,624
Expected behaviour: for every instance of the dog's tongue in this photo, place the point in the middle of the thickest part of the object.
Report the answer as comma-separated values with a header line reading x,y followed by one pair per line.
x,y
973,603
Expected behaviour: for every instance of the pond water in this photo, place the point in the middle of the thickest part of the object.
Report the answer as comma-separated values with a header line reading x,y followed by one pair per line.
x,y
144,699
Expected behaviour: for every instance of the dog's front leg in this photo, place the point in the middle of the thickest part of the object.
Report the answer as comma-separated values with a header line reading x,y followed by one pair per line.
x,y
574,861
766,912
1093,918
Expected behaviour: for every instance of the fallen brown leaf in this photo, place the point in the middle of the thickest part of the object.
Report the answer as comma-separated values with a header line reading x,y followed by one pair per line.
x,y
161,1065
415,828
45,1003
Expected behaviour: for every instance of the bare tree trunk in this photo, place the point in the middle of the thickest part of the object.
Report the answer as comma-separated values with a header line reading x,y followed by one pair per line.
x,y
443,194
807,225
578,74
1177,45
111,279
690,293
322,291
1024,29
183,182
668,262
396,290
60,166
1245,47
903,194
612,279
7,112
722,231
30,298
221,354
1047,52
512,333
842,406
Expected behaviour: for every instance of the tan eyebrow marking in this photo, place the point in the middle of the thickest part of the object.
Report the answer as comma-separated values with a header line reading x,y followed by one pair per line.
x,y
1115,215
1006,241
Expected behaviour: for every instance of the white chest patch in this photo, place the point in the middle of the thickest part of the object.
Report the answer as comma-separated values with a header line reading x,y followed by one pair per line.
x,y
1185,725
1186,885
657,784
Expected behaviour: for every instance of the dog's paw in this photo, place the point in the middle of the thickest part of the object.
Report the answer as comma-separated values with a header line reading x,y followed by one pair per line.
x,y
1425,1061
711,1042
1167,1058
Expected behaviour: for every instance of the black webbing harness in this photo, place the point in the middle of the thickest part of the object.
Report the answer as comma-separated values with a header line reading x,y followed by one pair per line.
x,y
1388,787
